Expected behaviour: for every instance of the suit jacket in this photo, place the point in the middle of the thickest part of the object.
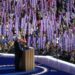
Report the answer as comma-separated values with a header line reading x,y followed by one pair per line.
x,y
17,47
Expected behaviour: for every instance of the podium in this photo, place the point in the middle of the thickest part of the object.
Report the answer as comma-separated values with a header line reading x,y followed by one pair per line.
x,y
27,62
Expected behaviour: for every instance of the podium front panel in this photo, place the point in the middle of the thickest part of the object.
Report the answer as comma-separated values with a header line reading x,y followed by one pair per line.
x,y
28,61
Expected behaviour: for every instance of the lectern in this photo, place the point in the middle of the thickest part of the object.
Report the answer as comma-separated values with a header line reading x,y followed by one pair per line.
x,y
27,62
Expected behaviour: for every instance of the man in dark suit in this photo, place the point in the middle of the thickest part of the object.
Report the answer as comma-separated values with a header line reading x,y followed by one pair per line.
x,y
18,53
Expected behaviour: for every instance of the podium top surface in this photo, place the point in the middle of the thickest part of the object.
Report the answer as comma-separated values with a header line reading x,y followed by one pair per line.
x,y
29,48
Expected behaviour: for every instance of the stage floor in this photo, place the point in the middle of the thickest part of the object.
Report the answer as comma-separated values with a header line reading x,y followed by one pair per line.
x,y
7,68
